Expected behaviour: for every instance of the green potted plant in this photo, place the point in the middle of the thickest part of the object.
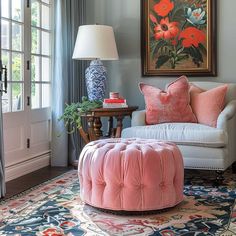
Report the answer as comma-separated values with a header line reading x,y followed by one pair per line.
x,y
72,113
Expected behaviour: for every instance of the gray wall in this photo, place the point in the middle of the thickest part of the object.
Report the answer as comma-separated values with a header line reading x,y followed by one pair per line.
x,y
125,74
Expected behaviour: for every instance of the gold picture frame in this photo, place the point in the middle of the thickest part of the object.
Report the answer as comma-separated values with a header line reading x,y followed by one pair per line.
x,y
178,37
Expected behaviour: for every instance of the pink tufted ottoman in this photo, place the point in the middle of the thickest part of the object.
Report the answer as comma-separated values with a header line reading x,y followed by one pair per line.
x,y
131,174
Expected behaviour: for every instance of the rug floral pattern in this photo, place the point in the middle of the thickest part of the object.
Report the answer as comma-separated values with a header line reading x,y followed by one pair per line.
x,y
55,208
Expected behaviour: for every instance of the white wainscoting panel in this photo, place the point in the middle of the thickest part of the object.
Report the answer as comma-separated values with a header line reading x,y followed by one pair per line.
x,y
25,167
13,138
39,132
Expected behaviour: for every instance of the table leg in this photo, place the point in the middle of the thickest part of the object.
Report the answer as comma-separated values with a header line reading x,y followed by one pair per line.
x,y
119,126
91,132
84,135
109,126
97,127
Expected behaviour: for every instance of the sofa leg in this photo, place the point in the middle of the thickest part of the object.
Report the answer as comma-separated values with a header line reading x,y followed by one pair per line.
x,y
219,177
234,167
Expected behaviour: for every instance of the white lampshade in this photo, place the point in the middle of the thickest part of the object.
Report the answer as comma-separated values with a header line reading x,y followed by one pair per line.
x,y
95,42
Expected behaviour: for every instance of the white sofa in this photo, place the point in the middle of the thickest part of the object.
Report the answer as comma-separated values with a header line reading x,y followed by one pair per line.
x,y
202,147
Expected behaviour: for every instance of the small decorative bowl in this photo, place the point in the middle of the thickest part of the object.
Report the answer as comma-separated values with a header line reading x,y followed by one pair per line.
x,y
114,95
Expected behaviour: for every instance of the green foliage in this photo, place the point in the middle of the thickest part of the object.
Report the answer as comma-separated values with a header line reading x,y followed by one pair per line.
x,y
162,60
195,55
202,49
87,105
72,113
156,45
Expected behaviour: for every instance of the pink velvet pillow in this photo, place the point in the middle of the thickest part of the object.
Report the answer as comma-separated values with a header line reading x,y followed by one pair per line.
x,y
207,104
171,105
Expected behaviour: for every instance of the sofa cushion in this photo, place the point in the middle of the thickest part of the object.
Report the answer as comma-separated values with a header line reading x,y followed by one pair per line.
x,y
171,105
181,133
207,104
231,91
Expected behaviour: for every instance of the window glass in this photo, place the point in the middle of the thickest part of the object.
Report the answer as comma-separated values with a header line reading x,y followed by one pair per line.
x,y
46,1
16,37
35,68
5,34
17,10
45,17
45,43
35,95
46,95
5,100
14,31
45,69
17,73
35,40
6,60
17,99
35,13
5,8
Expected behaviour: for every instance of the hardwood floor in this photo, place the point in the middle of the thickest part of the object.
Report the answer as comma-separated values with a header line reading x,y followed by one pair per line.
x,y
28,181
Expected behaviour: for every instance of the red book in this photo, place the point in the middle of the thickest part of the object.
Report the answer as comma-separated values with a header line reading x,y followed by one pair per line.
x,y
114,100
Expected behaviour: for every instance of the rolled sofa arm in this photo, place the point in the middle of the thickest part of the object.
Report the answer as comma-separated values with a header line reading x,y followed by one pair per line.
x,y
138,118
227,114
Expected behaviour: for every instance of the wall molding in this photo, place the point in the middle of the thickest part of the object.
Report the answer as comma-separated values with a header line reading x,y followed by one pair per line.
x,y
25,167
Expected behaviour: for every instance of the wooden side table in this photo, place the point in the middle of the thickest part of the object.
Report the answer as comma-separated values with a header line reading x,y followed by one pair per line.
x,y
93,119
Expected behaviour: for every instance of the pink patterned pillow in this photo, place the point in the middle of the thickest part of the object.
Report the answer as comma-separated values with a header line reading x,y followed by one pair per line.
x,y
207,104
171,105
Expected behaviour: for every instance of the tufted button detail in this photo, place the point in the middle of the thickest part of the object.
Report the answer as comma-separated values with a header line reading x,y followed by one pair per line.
x,y
144,175
162,184
90,184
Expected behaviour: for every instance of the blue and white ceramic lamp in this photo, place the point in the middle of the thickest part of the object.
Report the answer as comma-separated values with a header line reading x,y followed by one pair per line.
x,y
96,43
96,77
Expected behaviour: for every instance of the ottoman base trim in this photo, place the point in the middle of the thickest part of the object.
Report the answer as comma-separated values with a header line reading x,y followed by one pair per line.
x,y
133,213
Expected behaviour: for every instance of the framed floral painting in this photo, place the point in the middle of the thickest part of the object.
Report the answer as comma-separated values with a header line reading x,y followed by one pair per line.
x,y
178,37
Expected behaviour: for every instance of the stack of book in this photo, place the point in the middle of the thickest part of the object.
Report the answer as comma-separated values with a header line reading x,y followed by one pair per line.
x,y
114,103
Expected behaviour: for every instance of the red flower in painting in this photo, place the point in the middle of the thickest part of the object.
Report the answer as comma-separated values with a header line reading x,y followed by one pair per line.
x,y
153,19
174,42
166,29
192,37
164,7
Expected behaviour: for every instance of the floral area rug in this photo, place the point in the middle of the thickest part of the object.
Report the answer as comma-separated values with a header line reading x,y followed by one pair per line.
x,y
55,208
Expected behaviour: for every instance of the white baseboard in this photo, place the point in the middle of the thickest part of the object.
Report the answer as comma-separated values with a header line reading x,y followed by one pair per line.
x,y
25,167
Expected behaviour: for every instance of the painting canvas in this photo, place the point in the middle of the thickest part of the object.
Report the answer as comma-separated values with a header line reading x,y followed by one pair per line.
x,y
178,37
